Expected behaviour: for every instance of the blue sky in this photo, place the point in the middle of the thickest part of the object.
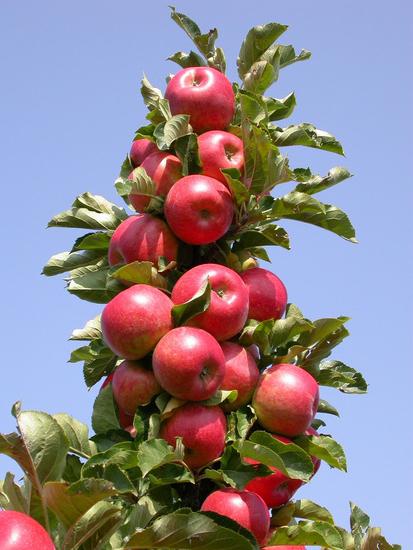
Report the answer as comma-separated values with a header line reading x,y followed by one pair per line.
x,y
69,105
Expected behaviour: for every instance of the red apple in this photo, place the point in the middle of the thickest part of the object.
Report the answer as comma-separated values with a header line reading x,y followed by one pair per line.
x,y
141,148
142,238
267,294
241,374
203,93
189,364
220,150
244,507
164,169
202,429
133,385
19,531
125,420
199,209
283,547
228,309
286,399
135,320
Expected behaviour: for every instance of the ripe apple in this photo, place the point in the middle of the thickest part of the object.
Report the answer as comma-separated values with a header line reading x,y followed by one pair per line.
x,y
199,209
267,294
218,150
125,420
241,374
141,148
286,399
203,93
135,320
202,429
189,364
244,507
283,547
164,169
19,531
142,238
228,309
133,385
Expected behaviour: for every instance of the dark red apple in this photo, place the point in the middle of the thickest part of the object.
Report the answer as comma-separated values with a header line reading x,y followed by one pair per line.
x,y
135,320
142,238
202,429
164,169
286,399
244,507
241,374
219,150
228,309
189,364
19,531
267,294
141,148
203,93
133,385
125,420
199,209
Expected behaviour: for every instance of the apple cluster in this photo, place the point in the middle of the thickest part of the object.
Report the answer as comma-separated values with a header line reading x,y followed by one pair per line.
x,y
194,360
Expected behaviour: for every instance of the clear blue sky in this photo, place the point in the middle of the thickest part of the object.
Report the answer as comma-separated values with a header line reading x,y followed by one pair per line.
x,y
69,106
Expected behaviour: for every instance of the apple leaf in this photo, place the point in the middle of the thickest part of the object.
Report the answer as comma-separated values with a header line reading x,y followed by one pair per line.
x,y
262,235
91,331
220,397
155,453
166,133
99,240
375,539
313,533
11,496
139,184
359,523
238,189
93,283
326,407
182,313
338,375
240,423
234,471
139,272
98,359
185,529
308,135
308,509
122,454
288,55
170,474
154,100
66,261
185,60
325,448
264,72
76,433
311,184
186,149
104,416
279,109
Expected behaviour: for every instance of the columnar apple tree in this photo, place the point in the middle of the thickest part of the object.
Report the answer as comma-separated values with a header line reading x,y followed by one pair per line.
x,y
209,418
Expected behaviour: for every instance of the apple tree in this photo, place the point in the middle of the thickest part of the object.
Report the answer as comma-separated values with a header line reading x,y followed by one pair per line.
x,y
209,418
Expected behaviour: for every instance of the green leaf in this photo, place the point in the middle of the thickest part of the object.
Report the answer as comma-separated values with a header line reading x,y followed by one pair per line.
x,y
308,135
93,283
325,448
263,73
307,509
126,167
66,261
104,416
139,184
359,523
325,407
168,474
11,496
185,530
155,453
199,303
288,56
98,359
91,331
135,272
157,501
313,533
261,156
220,396
305,208
252,106
122,454
155,101
234,471
263,235
375,540
93,241
238,189
186,149
240,423
279,109
76,433
311,184
338,375
185,60
166,133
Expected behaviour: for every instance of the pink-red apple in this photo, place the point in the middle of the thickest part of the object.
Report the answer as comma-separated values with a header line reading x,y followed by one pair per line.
x,y
202,429
228,309
125,420
19,531
203,93
164,169
241,374
267,294
244,507
141,148
283,547
135,320
133,384
199,209
218,150
286,399
142,238
189,364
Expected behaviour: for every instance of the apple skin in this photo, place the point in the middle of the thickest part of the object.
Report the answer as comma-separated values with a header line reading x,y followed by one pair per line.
x,y
164,169
141,148
283,547
142,238
246,508
267,294
189,364
286,399
228,309
202,429
199,209
218,150
19,531
241,374
135,320
203,93
133,385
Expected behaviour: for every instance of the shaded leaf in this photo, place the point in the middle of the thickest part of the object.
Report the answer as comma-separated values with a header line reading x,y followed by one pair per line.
x,y
325,448
308,135
166,133
310,183
338,375
104,417
199,303
76,433
314,533
185,60
91,331
66,261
